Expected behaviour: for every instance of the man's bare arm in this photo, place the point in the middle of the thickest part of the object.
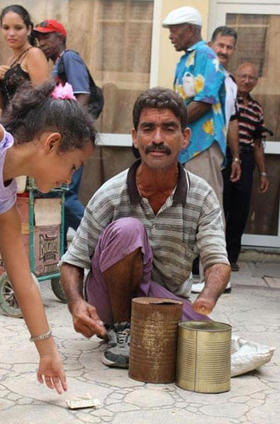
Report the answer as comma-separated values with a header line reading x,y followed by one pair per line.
x,y
260,162
197,109
216,279
85,318
72,281
233,142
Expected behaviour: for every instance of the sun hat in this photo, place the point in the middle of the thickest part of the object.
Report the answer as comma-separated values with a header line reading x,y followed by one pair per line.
x,y
183,15
50,25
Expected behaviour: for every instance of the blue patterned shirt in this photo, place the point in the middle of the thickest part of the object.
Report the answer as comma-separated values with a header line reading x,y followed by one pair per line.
x,y
200,77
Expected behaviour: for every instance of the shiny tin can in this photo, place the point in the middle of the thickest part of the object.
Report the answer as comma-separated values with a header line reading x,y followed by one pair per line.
x,y
203,356
153,345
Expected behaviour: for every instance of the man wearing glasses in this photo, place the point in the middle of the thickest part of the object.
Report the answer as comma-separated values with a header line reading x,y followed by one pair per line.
x,y
237,195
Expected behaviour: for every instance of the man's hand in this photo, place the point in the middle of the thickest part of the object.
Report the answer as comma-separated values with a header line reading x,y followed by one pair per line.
x,y
86,320
204,304
264,184
235,172
260,162
233,143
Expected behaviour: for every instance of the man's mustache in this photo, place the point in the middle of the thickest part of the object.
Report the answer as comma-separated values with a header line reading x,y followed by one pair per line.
x,y
158,148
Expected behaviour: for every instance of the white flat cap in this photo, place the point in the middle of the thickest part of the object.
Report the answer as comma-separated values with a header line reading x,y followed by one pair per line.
x,y
183,15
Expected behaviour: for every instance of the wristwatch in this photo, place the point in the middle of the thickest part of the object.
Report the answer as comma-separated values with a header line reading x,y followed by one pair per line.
x,y
263,174
236,160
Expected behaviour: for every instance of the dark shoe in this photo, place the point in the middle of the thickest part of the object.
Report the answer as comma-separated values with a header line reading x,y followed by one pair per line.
x,y
117,352
234,267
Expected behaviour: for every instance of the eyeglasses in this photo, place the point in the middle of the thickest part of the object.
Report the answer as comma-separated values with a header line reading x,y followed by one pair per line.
x,y
248,77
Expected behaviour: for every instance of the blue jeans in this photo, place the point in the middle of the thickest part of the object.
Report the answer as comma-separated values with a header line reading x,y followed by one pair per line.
x,y
74,210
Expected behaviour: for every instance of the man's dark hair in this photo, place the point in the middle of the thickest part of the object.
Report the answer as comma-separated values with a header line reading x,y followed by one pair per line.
x,y
160,98
225,31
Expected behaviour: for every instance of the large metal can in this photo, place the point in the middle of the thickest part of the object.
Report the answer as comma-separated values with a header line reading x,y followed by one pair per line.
x,y
203,356
154,330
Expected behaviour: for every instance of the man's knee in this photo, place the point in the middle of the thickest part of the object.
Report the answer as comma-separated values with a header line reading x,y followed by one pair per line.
x,y
120,238
126,230
126,224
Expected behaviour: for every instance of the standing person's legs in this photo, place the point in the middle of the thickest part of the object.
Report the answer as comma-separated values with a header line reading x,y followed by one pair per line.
x,y
240,206
228,186
195,269
208,165
229,196
74,210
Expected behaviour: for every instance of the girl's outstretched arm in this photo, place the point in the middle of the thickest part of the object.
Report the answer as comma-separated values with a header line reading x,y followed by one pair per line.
x,y
28,296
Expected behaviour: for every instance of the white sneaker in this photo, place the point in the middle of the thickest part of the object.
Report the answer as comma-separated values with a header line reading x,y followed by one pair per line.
x,y
198,287
195,278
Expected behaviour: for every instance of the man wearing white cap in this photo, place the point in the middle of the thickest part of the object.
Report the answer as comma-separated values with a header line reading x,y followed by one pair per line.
x,y
199,79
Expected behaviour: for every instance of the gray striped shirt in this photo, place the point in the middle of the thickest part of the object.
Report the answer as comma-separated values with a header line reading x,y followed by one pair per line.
x,y
188,223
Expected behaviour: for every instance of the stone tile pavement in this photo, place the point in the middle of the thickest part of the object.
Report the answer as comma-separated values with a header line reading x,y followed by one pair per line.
x,y
253,311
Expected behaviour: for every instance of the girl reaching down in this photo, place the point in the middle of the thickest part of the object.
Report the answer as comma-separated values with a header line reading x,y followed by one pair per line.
x,y
46,138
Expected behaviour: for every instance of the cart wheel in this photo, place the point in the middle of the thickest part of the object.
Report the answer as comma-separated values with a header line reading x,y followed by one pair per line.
x,y
8,300
58,289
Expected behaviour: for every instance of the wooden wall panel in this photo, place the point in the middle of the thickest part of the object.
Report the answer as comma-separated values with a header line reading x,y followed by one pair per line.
x,y
39,10
114,38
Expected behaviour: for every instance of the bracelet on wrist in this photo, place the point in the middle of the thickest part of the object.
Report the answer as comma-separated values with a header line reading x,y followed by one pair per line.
x,y
263,174
237,160
44,336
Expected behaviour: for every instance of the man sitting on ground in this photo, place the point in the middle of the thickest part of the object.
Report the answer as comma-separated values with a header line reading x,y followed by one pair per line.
x,y
141,231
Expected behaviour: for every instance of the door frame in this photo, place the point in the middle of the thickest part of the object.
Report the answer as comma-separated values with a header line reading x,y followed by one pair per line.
x,y
217,15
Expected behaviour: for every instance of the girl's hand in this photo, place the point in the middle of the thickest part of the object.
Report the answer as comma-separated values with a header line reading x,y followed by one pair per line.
x,y
51,372
3,70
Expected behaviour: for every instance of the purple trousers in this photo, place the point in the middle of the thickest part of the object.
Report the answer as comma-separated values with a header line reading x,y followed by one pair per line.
x,y
119,239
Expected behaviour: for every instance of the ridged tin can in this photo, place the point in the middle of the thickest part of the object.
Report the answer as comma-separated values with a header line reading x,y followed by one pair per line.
x,y
153,344
203,356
